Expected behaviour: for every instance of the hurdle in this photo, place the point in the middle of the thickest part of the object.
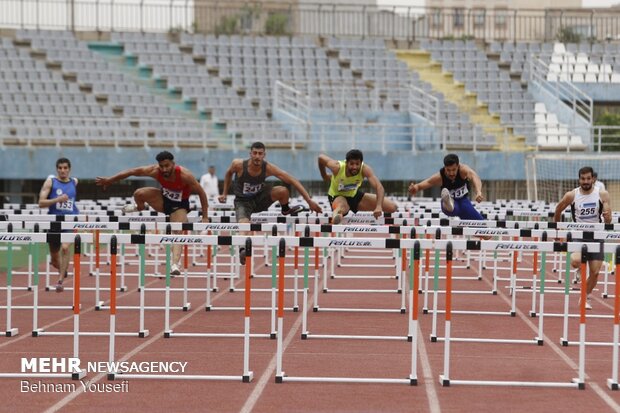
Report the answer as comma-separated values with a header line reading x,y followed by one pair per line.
x,y
246,376
281,377
445,380
612,382
76,374
319,242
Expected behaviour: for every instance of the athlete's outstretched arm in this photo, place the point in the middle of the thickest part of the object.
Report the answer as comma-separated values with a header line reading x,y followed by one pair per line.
x,y
285,177
190,180
236,166
566,200
376,184
606,200
327,162
431,181
105,181
473,177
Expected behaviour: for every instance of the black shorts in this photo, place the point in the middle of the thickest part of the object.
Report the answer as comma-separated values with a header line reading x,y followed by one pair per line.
x,y
352,201
594,256
171,206
245,207
55,244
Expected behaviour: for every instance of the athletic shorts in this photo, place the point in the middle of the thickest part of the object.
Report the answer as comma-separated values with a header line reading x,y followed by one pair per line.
x,y
171,206
245,207
55,245
352,201
593,256
464,209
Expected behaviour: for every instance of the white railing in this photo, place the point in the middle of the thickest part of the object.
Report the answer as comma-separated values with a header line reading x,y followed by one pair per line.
x,y
424,104
565,92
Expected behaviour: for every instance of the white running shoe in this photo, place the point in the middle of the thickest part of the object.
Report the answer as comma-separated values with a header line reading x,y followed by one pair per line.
x,y
174,270
446,200
588,303
130,208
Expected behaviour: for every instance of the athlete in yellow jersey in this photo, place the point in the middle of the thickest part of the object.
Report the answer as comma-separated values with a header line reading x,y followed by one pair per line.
x,y
344,194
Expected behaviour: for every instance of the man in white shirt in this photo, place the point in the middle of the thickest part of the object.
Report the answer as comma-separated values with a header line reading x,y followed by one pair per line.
x,y
598,184
209,183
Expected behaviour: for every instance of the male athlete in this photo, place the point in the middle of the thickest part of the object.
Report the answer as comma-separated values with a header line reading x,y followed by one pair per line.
x,y
346,178
588,204
454,179
58,193
177,183
251,192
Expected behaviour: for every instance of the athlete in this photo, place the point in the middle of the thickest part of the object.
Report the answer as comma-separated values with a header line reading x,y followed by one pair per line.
x,y
587,204
58,194
252,194
344,192
177,183
454,179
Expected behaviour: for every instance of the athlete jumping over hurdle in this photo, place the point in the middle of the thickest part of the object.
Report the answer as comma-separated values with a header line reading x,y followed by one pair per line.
x,y
588,204
58,193
251,192
454,179
177,184
344,194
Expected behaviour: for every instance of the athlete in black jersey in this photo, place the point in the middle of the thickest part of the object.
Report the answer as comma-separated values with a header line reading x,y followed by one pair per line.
x,y
251,192
454,179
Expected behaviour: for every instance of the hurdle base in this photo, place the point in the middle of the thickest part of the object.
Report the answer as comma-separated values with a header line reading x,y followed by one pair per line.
x,y
208,308
273,336
304,336
296,309
247,378
413,381
564,342
325,290
580,384
167,333
123,288
99,306
187,306
539,340
433,339
613,385
78,375
409,339
513,314
403,310
280,379
12,332
444,381
533,314
35,333
111,376
143,333
315,309
605,295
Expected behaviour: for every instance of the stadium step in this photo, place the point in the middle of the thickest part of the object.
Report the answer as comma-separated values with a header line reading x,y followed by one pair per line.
x,y
431,71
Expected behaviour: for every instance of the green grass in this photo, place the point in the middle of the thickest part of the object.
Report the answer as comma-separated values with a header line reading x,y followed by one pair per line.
x,y
20,255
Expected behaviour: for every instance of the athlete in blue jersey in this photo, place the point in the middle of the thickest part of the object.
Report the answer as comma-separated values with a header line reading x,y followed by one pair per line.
x,y
454,179
58,194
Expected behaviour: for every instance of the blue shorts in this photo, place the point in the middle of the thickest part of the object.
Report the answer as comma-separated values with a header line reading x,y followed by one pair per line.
x,y
464,209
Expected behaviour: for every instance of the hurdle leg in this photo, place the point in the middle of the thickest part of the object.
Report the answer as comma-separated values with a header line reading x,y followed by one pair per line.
x,y
612,383
435,297
10,331
35,293
142,332
274,269
564,339
444,379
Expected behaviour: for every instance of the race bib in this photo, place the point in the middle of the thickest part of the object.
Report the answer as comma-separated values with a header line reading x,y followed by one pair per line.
x,y
587,210
342,187
251,189
65,206
459,192
175,196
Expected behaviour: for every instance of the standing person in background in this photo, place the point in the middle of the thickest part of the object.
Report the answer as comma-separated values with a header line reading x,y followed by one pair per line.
x,y
587,204
177,183
208,182
598,184
58,194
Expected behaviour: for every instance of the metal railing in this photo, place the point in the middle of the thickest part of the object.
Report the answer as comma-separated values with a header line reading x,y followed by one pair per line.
x,y
316,19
